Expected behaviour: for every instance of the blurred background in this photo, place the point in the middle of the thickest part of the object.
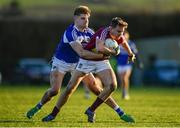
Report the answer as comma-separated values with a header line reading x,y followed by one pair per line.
x,y
30,31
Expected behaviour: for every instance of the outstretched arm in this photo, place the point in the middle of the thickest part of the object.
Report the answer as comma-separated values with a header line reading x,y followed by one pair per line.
x,y
85,53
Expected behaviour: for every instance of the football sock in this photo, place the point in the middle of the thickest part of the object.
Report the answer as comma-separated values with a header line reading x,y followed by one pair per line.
x,y
125,92
119,110
39,105
55,111
96,104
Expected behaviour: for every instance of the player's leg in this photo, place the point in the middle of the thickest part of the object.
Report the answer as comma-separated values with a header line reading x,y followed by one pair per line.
x,y
109,81
95,86
76,78
92,84
125,76
110,101
58,70
121,76
124,73
109,87
56,78
86,91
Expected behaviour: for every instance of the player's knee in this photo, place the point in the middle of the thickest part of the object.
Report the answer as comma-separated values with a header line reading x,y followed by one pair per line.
x,y
69,90
98,91
113,87
92,83
53,92
96,88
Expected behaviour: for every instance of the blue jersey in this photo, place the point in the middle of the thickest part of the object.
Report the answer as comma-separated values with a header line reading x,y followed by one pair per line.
x,y
64,50
122,58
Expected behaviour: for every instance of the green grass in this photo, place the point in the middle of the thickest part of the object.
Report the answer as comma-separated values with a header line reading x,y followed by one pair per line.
x,y
151,107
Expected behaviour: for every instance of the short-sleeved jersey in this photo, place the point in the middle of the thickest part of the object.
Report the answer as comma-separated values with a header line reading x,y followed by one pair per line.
x,y
64,50
103,33
122,58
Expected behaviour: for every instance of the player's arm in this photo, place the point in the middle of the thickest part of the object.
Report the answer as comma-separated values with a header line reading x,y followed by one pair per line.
x,y
139,62
101,48
128,49
85,53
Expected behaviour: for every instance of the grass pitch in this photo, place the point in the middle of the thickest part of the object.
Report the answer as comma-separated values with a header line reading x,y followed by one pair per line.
x,y
150,106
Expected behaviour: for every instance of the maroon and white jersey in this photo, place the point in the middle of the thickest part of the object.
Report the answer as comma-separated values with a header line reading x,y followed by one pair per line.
x,y
103,34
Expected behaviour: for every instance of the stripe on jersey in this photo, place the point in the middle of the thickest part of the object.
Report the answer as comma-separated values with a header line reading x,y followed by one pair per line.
x,y
104,34
70,36
74,34
65,40
90,31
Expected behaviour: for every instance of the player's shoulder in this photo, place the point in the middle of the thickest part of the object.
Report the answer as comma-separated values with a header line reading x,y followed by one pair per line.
x,y
102,32
71,31
90,30
103,29
70,28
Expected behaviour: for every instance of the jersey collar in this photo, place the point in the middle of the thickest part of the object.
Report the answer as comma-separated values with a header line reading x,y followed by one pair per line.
x,y
85,30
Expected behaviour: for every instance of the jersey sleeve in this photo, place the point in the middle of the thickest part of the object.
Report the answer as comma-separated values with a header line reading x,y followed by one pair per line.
x,y
133,47
70,36
103,33
91,31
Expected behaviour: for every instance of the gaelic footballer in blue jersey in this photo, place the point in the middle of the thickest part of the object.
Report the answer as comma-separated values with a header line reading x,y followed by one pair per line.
x,y
67,55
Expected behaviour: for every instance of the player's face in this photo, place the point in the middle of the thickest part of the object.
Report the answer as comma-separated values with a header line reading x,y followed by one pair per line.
x,y
82,21
117,31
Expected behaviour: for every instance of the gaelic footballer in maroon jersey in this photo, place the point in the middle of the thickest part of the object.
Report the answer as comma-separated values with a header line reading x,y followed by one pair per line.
x,y
102,67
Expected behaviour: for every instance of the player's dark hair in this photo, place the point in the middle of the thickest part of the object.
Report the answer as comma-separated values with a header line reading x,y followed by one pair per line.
x,y
118,21
81,10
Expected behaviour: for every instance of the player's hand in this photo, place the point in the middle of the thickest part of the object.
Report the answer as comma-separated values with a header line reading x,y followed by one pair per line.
x,y
131,58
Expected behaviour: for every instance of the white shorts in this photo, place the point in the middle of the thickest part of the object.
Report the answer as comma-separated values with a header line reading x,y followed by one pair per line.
x,y
62,66
88,66
122,69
